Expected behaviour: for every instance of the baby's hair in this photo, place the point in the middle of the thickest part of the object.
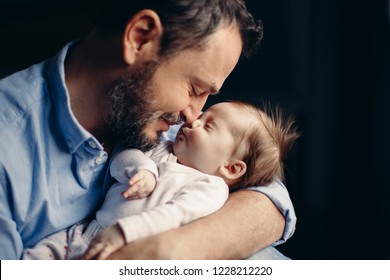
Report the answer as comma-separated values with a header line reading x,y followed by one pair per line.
x,y
262,143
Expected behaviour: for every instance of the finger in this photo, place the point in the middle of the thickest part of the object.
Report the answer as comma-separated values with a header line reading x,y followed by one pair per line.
x,y
139,195
104,253
134,196
137,177
93,250
131,191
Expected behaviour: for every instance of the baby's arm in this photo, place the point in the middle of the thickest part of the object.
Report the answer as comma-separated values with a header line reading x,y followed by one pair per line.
x,y
194,201
133,168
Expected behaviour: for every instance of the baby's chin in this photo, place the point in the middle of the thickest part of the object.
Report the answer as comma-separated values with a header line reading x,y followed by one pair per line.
x,y
185,160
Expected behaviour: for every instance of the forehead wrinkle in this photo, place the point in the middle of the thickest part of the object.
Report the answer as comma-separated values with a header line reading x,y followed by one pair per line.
x,y
208,85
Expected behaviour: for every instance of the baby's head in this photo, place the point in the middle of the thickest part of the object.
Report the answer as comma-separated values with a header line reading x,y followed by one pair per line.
x,y
238,142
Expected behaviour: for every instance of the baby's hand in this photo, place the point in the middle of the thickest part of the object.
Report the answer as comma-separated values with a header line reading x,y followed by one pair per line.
x,y
105,243
141,185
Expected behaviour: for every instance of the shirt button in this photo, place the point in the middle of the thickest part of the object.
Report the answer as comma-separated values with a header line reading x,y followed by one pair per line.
x,y
92,144
98,160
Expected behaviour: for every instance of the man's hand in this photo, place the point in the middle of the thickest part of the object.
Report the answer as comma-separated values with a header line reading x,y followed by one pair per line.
x,y
105,243
141,185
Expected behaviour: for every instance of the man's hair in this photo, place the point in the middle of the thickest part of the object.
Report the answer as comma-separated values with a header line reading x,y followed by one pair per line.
x,y
262,143
186,23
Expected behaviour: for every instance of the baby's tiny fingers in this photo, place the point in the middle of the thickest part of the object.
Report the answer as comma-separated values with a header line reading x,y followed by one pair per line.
x,y
131,191
93,250
137,177
103,254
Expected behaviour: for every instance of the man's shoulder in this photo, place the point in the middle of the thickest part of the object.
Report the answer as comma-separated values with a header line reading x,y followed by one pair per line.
x,y
20,92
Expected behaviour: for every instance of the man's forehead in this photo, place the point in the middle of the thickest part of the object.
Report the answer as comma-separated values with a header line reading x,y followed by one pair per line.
x,y
212,65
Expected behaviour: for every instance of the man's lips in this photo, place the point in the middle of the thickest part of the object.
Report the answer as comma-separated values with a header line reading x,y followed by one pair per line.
x,y
166,120
172,119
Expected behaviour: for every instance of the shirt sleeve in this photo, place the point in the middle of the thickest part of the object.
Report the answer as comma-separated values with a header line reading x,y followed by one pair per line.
x,y
195,200
128,162
278,194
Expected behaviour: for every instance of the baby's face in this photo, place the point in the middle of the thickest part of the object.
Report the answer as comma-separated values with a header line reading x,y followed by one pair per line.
x,y
208,143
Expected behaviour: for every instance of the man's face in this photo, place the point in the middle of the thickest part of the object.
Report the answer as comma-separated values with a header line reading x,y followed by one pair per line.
x,y
154,96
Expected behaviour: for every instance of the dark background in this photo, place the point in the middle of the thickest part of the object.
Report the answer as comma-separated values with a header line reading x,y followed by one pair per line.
x,y
325,61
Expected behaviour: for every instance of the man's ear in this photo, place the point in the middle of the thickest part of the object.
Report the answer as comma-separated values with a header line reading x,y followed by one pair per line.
x,y
233,170
142,35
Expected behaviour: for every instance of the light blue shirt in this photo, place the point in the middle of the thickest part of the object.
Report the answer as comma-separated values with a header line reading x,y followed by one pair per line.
x,y
40,142
52,171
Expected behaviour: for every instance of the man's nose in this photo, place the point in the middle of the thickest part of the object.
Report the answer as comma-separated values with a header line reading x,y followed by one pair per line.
x,y
192,111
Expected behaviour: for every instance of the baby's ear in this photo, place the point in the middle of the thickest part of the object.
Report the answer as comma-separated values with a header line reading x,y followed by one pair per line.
x,y
233,170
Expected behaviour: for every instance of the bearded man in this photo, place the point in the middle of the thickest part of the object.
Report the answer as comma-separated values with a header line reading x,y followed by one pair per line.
x,y
145,66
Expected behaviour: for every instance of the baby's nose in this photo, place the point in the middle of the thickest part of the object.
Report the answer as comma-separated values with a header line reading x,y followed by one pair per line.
x,y
194,124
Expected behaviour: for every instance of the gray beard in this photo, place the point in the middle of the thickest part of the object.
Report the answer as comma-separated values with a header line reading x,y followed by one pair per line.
x,y
131,109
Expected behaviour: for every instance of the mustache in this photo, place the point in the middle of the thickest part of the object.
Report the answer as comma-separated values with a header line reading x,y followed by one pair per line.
x,y
172,119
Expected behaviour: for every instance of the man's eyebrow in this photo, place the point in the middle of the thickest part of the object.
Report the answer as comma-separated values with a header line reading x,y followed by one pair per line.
x,y
211,86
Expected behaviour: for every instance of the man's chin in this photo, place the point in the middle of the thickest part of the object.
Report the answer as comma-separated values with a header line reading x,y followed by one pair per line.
x,y
141,142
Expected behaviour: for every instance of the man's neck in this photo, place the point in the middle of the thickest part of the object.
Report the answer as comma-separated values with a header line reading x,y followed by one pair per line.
x,y
88,76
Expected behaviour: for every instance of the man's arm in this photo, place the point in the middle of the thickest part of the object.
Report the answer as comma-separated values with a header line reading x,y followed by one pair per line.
x,y
248,222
